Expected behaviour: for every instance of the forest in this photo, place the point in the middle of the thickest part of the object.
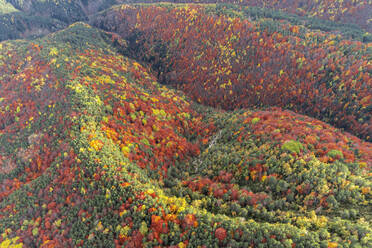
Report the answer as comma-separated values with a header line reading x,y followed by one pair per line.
x,y
185,124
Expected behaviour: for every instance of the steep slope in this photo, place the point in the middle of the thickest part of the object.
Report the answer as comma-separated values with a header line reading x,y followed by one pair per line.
x,y
34,18
95,153
232,63
358,12
63,10
275,166
59,108
18,25
347,30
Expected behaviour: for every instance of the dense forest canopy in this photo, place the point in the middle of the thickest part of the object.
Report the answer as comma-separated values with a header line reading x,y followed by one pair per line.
x,y
185,124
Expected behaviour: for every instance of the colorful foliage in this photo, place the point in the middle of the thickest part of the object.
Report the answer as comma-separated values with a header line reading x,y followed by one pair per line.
x,y
96,153
345,11
245,173
233,63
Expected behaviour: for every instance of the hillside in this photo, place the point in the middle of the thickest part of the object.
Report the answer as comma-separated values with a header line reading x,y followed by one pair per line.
x,y
35,18
231,62
185,125
357,12
95,152
74,116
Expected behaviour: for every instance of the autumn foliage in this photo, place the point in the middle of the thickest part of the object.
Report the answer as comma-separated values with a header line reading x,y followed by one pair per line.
x,y
233,63
345,11
95,152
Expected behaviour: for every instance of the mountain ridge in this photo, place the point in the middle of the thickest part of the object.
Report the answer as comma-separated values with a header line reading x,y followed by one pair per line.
x,y
104,145
67,12
112,175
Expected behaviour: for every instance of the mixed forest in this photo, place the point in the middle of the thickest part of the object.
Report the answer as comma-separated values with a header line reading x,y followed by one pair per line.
x,y
185,124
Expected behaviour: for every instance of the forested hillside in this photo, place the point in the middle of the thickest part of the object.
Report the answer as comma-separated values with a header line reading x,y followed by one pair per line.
x,y
357,12
184,125
231,62
350,18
